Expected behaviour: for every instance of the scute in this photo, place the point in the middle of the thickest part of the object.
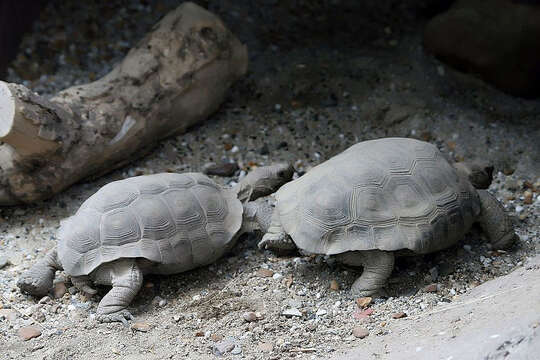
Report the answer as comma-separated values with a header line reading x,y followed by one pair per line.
x,y
153,217
169,219
114,195
118,227
387,194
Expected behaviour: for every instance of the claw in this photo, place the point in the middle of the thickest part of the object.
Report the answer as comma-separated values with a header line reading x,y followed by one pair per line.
x,y
263,244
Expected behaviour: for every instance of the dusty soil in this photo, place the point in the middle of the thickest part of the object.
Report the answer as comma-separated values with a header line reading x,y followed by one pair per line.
x,y
324,75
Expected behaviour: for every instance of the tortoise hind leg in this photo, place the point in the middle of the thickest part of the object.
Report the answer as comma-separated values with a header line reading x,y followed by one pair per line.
x,y
38,280
126,279
495,222
276,238
378,266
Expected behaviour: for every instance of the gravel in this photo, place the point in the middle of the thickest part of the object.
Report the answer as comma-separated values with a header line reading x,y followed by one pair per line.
x,y
305,99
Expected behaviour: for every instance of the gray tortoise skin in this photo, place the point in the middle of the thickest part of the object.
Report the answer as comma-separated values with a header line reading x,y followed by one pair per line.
x,y
382,196
160,224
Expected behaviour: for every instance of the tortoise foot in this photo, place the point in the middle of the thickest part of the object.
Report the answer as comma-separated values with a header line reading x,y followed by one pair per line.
x,y
120,316
278,241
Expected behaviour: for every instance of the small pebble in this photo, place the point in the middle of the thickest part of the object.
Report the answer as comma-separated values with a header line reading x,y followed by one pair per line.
x,y
360,332
431,288
264,273
3,261
265,347
334,285
223,169
141,326
277,276
527,199
359,315
29,332
224,346
363,302
399,315
250,316
9,314
59,290
291,312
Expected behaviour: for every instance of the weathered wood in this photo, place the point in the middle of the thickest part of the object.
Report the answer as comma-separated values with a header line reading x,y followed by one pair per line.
x,y
175,77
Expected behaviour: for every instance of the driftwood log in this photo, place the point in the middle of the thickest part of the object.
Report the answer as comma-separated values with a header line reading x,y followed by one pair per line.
x,y
175,77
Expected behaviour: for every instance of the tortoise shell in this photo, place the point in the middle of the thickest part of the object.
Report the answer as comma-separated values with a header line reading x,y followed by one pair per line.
x,y
387,194
167,218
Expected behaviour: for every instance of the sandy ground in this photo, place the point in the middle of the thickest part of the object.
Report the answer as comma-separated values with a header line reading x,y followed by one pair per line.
x,y
323,76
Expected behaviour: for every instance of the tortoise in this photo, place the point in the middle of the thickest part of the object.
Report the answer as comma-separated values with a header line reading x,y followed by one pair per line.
x,y
381,198
161,224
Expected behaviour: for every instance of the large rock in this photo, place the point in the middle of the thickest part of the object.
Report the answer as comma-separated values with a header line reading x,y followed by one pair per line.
x,y
497,39
499,319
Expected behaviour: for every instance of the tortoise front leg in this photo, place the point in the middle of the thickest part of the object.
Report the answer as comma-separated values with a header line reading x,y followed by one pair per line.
x,y
378,266
495,222
38,280
276,238
126,279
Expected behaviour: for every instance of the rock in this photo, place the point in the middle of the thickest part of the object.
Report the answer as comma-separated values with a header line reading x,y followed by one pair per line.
x,y
264,273
3,261
359,315
9,314
291,312
237,350
481,37
277,276
321,312
29,332
216,337
73,290
59,290
224,346
38,316
223,169
399,315
44,300
141,326
159,301
363,302
265,347
249,316
360,332
431,288
334,285
527,199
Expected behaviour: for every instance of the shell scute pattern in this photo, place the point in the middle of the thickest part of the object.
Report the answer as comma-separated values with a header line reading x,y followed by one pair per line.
x,y
154,217
112,196
165,218
119,227
385,194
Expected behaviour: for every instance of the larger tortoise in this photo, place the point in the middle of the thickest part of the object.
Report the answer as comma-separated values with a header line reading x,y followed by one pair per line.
x,y
160,224
382,196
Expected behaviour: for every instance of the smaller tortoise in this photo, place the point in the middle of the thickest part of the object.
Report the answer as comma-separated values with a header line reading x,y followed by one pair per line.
x,y
384,196
159,224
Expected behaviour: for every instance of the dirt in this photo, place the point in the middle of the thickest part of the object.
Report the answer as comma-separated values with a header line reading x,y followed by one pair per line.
x,y
323,76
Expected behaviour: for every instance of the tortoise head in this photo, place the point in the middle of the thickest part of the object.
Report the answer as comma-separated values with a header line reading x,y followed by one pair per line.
x,y
263,181
479,174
